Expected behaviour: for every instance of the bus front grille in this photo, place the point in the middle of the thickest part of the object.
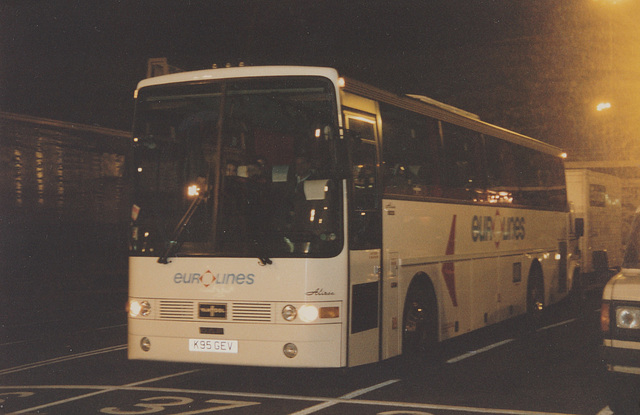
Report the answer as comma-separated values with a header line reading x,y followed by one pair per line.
x,y
174,309
243,312
260,312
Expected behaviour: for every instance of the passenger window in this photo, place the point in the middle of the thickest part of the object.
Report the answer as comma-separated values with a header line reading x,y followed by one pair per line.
x,y
462,170
410,147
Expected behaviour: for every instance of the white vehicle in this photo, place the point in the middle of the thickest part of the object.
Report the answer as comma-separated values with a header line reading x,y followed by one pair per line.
x,y
620,324
285,216
596,199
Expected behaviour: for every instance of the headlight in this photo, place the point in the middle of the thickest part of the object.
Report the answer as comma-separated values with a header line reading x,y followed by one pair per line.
x,y
308,313
289,312
139,308
628,317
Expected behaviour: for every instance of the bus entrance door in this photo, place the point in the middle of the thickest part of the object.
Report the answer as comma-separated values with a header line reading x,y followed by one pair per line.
x,y
365,240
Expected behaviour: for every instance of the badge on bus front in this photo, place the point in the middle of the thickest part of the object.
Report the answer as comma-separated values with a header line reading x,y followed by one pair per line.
x,y
209,310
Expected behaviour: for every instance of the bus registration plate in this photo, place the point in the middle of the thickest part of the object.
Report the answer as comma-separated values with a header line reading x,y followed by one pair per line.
x,y
213,346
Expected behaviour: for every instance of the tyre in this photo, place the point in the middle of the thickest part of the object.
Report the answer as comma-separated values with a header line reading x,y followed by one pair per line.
x,y
535,298
577,294
420,325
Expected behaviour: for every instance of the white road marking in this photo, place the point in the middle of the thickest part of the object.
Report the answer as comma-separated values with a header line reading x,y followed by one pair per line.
x,y
606,411
103,390
562,323
333,401
476,352
61,359
502,343
350,395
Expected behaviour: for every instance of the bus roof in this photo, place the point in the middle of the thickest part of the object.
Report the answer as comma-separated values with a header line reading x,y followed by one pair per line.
x,y
447,113
241,72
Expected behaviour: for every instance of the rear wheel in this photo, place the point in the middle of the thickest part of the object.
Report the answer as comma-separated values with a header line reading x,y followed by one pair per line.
x,y
577,293
535,298
420,325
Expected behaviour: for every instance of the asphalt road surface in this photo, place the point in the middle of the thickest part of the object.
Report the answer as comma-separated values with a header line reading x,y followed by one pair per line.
x,y
65,365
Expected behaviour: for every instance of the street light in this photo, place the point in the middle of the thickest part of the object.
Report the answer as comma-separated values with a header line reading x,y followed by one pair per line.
x,y
603,106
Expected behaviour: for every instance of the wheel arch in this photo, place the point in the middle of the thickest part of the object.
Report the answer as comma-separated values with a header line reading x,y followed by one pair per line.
x,y
535,271
422,280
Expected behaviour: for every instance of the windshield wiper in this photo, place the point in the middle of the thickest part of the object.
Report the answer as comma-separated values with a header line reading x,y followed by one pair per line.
x,y
180,227
263,260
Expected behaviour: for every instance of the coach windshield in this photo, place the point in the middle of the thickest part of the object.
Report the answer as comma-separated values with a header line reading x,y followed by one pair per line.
x,y
237,168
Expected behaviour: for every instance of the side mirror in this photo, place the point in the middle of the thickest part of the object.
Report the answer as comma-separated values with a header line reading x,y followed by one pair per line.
x,y
579,227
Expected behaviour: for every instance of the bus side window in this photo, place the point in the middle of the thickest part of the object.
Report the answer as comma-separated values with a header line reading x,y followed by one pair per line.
x,y
501,170
540,179
463,170
410,146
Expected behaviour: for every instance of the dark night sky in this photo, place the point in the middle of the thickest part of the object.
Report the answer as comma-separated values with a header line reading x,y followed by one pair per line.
x,y
503,59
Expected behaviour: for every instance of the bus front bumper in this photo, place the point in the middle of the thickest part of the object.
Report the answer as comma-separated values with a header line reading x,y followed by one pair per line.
x,y
277,345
